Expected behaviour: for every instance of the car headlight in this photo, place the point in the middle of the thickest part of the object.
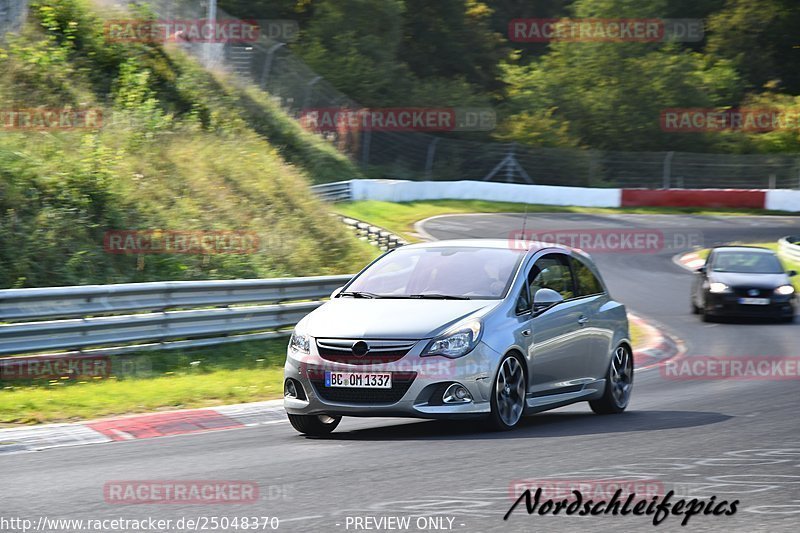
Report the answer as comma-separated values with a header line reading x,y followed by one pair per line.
x,y
785,290
456,342
300,342
718,287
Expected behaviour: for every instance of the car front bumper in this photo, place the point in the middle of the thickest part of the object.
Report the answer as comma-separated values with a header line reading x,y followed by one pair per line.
x,y
727,304
417,385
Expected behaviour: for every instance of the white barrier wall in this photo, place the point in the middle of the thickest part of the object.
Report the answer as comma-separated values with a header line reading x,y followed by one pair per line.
x,y
409,191
783,200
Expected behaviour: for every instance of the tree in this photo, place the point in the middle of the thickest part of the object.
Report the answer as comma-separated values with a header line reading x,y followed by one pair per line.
x,y
612,94
760,37
452,39
354,45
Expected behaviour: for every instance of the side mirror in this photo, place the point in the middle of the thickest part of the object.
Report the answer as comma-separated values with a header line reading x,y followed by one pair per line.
x,y
701,270
336,292
545,299
792,273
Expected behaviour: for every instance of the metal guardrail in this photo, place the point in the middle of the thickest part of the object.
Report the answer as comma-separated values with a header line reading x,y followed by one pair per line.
x,y
21,304
339,191
789,248
215,323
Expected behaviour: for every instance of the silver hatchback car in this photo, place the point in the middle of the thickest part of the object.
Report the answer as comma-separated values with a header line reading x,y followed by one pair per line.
x,y
459,329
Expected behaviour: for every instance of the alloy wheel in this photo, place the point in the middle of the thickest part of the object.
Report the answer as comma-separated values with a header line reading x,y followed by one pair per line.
x,y
621,376
510,391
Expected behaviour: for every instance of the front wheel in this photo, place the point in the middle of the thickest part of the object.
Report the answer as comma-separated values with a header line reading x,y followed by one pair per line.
x,y
619,384
508,394
314,424
705,316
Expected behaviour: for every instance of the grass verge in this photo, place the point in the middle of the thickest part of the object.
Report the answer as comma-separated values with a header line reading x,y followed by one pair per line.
x,y
179,379
637,334
400,217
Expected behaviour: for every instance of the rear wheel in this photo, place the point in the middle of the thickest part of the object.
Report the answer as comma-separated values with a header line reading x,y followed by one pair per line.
x,y
314,424
508,394
619,384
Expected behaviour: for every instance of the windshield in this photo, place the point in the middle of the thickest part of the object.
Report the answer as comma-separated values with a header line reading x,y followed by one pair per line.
x,y
747,263
475,273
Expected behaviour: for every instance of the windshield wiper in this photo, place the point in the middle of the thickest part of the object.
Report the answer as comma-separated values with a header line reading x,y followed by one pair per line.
x,y
360,294
433,296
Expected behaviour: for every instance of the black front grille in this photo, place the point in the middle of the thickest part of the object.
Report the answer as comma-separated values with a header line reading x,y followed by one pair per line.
x,y
348,358
745,293
401,382
380,352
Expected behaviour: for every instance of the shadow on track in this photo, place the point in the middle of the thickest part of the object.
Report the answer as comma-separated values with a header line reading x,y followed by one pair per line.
x,y
533,427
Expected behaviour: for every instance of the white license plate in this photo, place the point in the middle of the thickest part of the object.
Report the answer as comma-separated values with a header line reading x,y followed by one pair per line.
x,y
754,301
358,380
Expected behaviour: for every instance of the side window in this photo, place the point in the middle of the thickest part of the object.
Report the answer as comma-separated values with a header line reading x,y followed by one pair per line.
x,y
552,272
588,283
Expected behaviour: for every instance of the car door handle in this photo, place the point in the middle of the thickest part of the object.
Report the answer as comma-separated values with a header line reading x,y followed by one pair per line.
x,y
526,333
583,320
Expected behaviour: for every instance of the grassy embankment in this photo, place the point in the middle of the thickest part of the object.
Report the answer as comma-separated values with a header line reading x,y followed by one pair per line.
x,y
179,149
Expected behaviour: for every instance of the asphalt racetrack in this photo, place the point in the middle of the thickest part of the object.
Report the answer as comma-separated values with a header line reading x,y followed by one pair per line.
x,y
732,439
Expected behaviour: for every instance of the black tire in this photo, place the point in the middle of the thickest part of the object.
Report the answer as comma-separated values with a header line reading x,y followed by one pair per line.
x,y
314,424
496,420
610,403
705,315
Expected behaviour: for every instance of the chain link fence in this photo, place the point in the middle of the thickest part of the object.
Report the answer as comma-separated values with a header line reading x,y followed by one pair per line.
x,y
423,156
271,64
